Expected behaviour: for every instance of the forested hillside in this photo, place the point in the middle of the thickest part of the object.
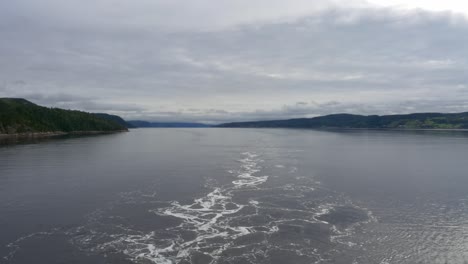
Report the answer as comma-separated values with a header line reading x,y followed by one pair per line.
x,y
409,121
21,116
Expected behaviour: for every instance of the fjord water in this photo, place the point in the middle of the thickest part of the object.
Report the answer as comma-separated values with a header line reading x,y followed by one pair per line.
x,y
237,196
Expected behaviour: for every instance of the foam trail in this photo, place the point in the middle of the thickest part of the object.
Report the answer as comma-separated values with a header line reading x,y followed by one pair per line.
x,y
208,217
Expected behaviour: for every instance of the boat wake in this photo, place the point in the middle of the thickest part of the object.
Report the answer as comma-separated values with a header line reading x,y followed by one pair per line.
x,y
253,218
206,228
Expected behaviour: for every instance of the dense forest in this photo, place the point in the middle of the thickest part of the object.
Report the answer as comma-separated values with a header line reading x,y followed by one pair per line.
x,y
21,116
409,121
115,118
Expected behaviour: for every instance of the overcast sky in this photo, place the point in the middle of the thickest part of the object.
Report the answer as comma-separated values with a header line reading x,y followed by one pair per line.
x,y
230,60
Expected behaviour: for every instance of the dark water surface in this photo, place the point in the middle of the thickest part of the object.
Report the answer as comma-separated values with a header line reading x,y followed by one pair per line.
x,y
237,196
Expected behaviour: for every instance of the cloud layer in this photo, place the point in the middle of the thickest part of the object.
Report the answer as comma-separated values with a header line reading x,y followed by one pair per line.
x,y
223,61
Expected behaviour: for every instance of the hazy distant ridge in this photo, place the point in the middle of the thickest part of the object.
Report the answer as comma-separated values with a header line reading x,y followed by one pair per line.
x,y
409,121
145,124
21,116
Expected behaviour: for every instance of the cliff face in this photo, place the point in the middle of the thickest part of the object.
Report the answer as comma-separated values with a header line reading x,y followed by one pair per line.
x,y
21,116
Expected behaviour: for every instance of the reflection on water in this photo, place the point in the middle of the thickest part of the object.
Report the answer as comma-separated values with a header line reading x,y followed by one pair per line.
x,y
237,196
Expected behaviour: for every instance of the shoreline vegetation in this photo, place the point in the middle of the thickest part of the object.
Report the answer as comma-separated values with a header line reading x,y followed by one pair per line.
x,y
417,121
57,134
20,118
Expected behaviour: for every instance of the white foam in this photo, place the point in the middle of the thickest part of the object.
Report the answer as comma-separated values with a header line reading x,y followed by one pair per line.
x,y
253,202
155,254
209,217
250,166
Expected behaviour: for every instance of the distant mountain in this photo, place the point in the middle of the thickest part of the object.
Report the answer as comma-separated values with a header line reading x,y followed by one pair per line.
x,y
21,116
409,121
146,124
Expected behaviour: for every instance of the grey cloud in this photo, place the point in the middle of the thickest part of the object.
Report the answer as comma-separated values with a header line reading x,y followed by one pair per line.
x,y
311,109
161,14
113,108
54,98
73,101
325,60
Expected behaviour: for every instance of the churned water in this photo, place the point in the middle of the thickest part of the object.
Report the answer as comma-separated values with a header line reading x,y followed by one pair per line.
x,y
236,196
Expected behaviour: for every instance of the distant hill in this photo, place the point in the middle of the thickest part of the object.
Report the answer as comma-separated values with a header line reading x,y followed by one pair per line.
x,y
409,121
21,116
146,124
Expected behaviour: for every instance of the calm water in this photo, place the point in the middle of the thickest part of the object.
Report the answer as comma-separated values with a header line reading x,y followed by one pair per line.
x,y
236,196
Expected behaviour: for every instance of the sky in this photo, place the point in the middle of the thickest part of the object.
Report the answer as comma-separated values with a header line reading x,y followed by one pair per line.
x,y
217,61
